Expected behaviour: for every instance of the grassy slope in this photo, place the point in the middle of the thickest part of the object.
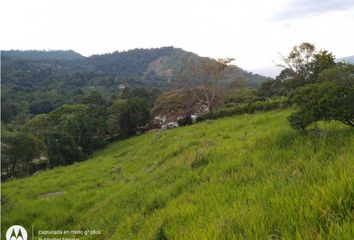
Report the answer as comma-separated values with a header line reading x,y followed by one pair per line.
x,y
244,177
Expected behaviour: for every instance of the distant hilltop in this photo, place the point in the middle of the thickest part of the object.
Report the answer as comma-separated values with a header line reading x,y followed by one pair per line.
x,y
349,59
42,54
151,67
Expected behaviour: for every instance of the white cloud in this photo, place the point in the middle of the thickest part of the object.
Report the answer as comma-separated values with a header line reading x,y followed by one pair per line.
x,y
308,8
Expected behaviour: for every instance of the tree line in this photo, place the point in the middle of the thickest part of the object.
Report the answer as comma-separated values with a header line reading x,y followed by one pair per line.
x,y
320,88
311,81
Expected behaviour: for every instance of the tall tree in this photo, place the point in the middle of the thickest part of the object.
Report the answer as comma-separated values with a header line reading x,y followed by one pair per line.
x,y
97,110
18,150
331,98
126,115
205,73
62,150
118,117
303,65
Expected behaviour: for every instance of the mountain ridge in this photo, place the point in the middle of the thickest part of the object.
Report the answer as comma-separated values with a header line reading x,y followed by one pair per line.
x,y
142,64
42,54
347,59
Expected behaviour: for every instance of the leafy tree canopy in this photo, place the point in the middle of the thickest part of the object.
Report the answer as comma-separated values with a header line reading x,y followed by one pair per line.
x,y
330,98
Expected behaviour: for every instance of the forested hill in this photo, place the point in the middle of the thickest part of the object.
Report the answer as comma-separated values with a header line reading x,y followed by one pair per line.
x,y
40,81
156,66
40,55
349,59
164,63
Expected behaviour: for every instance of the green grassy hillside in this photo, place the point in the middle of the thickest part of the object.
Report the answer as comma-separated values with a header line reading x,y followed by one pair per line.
x,y
246,177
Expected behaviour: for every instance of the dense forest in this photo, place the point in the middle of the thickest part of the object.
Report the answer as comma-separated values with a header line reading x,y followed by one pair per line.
x,y
36,82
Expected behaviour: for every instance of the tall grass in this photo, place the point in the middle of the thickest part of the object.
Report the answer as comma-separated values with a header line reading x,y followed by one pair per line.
x,y
247,177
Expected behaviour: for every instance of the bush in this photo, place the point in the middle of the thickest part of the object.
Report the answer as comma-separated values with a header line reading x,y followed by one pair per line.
x,y
331,98
185,121
62,150
269,104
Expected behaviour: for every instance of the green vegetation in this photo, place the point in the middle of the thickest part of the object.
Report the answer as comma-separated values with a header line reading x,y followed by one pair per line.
x,y
65,122
72,132
246,177
42,55
35,82
302,66
330,98
241,108
67,105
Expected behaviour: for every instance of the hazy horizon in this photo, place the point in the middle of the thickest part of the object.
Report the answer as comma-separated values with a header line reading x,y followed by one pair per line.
x,y
252,32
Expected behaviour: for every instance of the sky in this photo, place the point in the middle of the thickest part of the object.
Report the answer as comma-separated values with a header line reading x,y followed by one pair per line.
x,y
253,32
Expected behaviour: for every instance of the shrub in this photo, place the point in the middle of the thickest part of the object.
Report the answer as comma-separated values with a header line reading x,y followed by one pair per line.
x,y
269,104
185,121
331,98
